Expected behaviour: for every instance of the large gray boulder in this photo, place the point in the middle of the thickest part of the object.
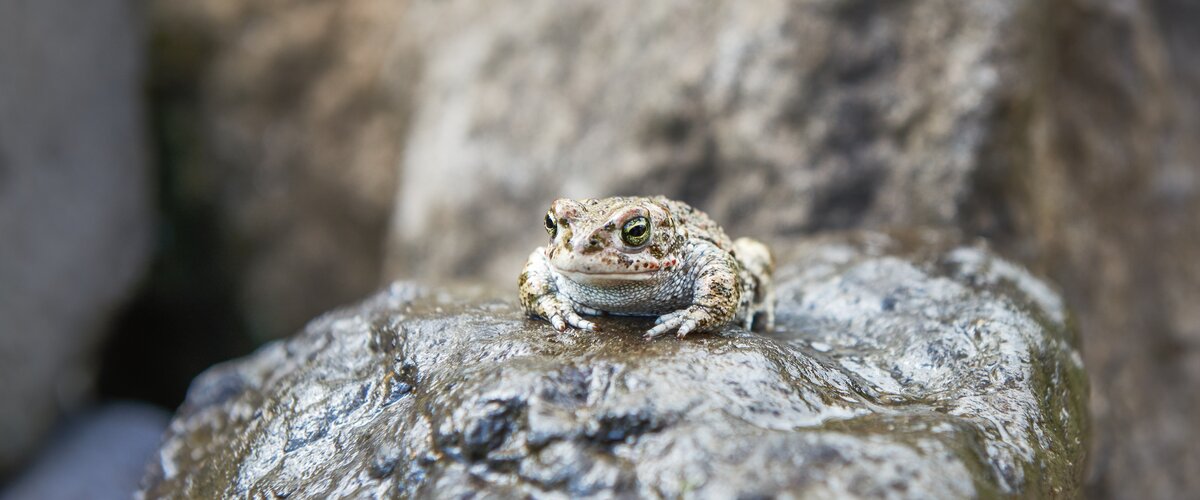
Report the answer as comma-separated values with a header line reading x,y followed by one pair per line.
x,y
1063,131
785,117
75,214
897,369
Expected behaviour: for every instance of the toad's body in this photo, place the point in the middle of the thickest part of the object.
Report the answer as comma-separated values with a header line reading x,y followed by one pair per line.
x,y
645,257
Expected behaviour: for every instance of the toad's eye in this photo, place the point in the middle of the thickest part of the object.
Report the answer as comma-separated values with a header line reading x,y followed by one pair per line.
x,y
551,227
636,231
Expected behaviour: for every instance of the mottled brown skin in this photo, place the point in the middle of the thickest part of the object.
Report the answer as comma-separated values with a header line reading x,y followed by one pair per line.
x,y
642,256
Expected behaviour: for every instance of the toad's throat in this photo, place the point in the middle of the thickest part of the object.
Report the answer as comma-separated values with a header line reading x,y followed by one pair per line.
x,y
608,276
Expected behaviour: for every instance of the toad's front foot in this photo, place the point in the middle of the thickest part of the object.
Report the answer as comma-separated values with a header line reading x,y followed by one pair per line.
x,y
684,321
561,312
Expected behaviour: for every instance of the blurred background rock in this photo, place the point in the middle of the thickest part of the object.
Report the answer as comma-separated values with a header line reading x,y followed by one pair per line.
x,y
260,162
75,202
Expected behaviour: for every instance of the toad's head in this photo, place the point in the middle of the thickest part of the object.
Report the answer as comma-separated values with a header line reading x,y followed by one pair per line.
x,y
616,239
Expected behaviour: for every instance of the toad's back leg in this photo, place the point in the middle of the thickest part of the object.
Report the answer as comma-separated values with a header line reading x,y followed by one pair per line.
x,y
758,294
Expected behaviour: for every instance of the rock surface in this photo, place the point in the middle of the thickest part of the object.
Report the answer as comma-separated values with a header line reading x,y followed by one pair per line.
x,y
75,208
897,369
786,117
1062,131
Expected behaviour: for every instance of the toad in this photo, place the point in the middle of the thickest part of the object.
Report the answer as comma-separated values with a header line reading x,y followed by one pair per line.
x,y
645,256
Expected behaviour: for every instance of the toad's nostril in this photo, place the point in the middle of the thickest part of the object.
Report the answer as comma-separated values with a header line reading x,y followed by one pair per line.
x,y
588,245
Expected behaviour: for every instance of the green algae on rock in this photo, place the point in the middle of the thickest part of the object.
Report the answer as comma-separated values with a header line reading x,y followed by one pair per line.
x,y
934,372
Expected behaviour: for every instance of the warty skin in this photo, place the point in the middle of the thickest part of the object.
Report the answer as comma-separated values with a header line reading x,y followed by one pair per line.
x,y
645,256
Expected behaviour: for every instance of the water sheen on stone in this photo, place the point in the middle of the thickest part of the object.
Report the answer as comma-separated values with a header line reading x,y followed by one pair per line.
x,y
896,369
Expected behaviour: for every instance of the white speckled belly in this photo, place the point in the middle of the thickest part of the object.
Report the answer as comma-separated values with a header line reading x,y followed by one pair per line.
x,y
648,297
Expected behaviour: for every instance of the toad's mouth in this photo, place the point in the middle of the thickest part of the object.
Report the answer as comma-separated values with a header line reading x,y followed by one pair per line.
x,y
577,275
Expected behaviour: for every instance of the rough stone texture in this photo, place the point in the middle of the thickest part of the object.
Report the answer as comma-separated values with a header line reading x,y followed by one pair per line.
x,y
900,372
74,200
784,117
287,117
1063,131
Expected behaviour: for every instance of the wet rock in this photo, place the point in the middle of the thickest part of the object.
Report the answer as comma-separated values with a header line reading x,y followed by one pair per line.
x,y
75,202
1062,131
901,366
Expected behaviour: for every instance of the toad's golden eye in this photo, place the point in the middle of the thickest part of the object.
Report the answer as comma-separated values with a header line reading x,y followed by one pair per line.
x,y
636,231
551,227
